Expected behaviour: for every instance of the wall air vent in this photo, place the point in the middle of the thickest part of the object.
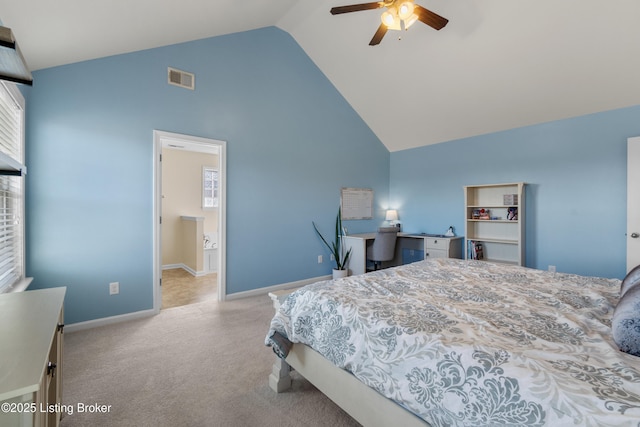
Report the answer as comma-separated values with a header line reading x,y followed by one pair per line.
x,y
181,78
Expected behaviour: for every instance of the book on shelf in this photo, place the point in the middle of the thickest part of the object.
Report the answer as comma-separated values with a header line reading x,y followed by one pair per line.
x,y
476,250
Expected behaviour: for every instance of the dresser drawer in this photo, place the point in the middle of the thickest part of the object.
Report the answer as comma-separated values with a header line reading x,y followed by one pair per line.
x,y
437,243
436,253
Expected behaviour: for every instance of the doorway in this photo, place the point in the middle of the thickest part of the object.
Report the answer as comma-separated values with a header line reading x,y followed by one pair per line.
x,y
165,141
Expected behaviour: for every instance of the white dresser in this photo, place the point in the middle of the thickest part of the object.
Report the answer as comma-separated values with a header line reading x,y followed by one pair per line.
x,y
442,247
31,325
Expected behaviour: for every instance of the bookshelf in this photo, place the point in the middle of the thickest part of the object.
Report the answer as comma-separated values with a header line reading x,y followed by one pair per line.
x,y
494,222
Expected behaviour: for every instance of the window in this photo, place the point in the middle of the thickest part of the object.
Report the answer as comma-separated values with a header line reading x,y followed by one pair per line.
x,y
11,188
209,188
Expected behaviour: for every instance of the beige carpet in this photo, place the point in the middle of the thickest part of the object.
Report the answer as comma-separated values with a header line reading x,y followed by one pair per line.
x,y
197,365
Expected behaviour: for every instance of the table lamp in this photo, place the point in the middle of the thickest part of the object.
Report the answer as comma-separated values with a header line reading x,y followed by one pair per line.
x,y
392,217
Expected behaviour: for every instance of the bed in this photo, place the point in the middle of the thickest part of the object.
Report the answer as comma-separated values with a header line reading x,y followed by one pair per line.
x,y
453,342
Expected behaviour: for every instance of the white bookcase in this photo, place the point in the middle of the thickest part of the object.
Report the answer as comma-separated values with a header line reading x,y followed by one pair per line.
x,y
489,222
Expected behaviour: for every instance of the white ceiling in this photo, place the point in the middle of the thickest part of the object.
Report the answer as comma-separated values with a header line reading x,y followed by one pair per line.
x,y
498,64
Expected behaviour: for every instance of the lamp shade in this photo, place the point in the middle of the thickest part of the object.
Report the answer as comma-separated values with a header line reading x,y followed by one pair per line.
x,y
392,215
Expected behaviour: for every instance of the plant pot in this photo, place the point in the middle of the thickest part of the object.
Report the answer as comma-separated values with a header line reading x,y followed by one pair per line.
x,y
339,274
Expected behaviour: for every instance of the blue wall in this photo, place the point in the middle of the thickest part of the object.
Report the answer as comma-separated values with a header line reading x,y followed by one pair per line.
x,y
576,193
293,142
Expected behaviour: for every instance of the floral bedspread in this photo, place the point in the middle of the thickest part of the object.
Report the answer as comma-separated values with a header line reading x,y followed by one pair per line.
x,y
471,343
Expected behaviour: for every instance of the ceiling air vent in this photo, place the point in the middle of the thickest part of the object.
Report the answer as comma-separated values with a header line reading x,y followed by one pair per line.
x,y
181,78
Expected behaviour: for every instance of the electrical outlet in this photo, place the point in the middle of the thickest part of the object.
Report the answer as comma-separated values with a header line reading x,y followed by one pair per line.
x,y
319,259
114,288
332,257
552,268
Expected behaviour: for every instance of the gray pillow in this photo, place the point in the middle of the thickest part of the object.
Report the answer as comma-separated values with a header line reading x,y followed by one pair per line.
x,y
631,279
625,323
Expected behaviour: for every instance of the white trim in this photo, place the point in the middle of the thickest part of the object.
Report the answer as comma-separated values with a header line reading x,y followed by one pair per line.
x,y
188,269
157,205
633,204
222,222
172,266
175,141
159,139
89,324
19,286
283,286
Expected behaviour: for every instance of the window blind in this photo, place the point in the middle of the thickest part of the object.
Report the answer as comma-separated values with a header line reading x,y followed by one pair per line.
x,y
11,192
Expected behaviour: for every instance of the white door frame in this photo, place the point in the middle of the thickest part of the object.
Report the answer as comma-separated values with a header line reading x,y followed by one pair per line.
x,y
160,137
633,202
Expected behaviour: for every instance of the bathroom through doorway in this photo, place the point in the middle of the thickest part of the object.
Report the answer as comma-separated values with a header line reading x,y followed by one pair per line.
x,y
190,242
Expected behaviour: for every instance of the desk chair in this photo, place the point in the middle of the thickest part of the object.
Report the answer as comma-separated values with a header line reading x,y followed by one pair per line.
x,y
384,246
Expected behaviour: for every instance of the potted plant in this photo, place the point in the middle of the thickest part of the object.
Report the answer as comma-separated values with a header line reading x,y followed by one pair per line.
x,y
337,249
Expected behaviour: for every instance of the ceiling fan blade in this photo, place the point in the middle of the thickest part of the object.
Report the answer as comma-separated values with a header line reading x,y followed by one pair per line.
x,y
377,37
431,19
356,7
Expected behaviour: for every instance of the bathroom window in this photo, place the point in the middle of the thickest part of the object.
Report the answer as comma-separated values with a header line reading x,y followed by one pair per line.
x,y
209,187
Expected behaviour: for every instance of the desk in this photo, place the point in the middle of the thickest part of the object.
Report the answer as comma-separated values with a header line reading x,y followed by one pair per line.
x,y
409,248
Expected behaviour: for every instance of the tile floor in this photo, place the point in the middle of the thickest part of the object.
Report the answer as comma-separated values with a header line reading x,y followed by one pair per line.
x,y
179,288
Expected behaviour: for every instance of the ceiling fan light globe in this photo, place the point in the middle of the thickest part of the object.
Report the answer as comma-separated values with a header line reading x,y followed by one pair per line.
x,y
387,18
390,19
406,10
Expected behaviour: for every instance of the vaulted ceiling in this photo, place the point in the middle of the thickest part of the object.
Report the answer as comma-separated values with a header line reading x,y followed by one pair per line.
x,y
498,64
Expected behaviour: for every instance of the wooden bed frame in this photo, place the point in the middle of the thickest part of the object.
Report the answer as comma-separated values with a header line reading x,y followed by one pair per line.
x,y
364,404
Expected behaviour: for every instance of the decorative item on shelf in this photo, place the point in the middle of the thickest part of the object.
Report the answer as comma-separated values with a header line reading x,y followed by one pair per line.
x,y
450,232
481,213
509,199
336,248
512,214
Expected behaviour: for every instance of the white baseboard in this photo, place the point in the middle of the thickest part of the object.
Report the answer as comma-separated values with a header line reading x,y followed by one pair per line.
x,y
72,327
263,291
188,269
172,266
108,320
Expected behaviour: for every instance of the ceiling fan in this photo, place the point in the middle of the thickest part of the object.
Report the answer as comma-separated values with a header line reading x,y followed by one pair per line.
x,y
400,15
